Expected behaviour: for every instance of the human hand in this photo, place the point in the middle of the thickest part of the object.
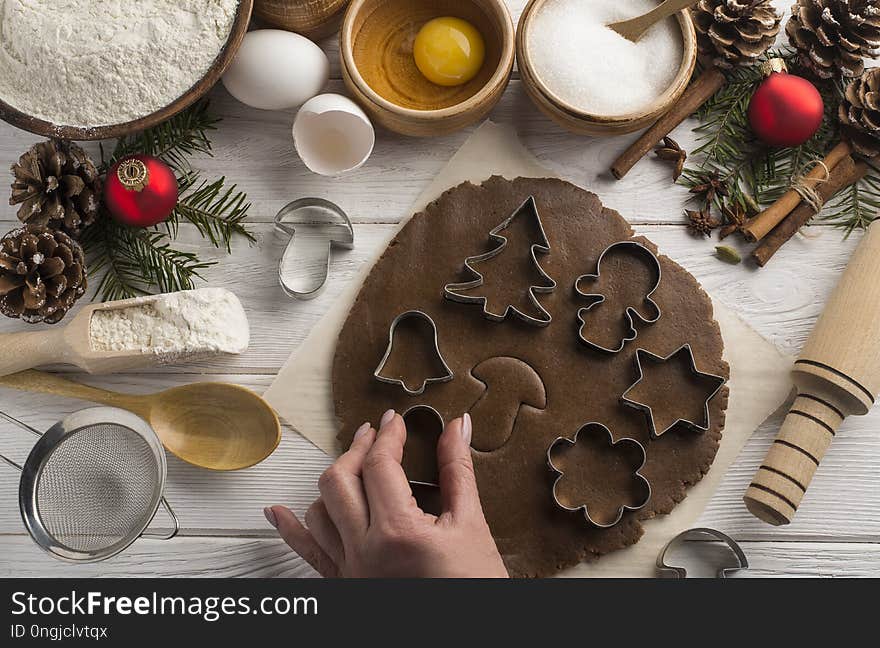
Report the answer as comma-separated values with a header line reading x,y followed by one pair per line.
x,y
366,523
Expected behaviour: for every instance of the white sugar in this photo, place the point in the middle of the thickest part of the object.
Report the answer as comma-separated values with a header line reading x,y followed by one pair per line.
x,y
593,68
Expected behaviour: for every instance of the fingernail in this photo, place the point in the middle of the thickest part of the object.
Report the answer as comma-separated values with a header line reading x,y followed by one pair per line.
x,y
466,428
386,417
270,516
362,430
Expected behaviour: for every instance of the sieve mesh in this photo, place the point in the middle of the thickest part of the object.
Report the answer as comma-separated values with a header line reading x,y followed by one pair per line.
x,y
99,487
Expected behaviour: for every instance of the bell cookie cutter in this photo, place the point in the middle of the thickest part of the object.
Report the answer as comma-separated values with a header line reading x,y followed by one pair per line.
x,y
312,261
626,441
377,374
671,571
407,414
648,410
631,313
501,240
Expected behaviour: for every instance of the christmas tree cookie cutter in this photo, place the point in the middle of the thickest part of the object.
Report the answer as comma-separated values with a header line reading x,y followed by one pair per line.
x,y
315,227
445,377
450,290
640,356
623,443
702,534
631,313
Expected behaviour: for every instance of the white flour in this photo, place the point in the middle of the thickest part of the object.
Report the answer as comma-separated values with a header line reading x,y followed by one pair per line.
x,y
201,321
99,62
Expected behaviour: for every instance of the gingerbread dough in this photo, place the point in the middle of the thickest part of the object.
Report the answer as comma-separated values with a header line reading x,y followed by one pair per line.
x,y
535,537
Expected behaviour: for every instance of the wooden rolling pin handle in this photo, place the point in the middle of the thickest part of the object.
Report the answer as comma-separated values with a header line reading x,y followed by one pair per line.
x,y
782,479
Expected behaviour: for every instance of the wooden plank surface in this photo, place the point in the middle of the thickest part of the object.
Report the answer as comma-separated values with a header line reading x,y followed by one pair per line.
x,y
837,530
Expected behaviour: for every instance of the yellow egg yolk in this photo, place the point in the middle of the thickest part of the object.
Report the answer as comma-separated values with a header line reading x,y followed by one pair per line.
x,y
449,51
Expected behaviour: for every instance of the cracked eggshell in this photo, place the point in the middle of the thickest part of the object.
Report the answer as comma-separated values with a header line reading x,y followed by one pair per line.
x,y
276,69
332,135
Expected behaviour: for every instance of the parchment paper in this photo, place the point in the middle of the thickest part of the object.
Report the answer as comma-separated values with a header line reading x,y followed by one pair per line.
x,y
759,372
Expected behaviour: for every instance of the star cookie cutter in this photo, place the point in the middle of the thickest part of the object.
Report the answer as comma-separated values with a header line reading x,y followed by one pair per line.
x,y
649,412
702,533
626,441
631,313
501,240
315,227
448,375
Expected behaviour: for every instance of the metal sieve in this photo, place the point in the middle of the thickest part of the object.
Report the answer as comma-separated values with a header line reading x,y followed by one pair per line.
x,y
92,484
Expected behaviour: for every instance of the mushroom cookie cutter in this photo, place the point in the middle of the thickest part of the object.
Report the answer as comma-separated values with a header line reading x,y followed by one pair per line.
x,y
642,354
624,442
377,374
631,313
315,227
450,289
411,436
701,533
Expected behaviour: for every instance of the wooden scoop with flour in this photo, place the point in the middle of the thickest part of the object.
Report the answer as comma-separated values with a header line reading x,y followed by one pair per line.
x,y
72,344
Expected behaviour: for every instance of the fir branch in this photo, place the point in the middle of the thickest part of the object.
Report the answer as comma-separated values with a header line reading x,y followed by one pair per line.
x,y
174,140
215,210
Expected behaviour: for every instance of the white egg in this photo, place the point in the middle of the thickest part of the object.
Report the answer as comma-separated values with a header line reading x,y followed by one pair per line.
x,y
276,69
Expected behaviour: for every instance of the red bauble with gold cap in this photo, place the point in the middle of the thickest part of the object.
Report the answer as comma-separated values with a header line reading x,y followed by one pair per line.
x,y
785,110
140,190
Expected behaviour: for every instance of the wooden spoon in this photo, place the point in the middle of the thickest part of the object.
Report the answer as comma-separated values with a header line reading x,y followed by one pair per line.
x,y
70,344
634,28
211,425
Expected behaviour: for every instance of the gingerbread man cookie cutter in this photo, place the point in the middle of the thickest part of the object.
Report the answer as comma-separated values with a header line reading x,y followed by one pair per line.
x,y
496,237
631,313
585,507
642,354
447,375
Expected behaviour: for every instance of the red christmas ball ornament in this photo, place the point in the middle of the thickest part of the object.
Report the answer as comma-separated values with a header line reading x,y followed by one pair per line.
x,y
786,110
140,190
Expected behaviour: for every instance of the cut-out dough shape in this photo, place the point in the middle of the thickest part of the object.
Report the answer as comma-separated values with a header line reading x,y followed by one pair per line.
x,y
459,292
631,312
401,355
510,385
315,227
650,395
615,467
423,428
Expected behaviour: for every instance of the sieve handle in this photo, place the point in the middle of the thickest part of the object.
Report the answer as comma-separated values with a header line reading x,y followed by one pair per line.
x,y
22,425
174,520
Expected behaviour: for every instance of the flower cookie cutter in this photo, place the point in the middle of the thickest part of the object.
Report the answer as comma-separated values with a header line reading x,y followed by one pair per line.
x,y
447,375
626,441
501,241
631,313
701,533
315,227
642,354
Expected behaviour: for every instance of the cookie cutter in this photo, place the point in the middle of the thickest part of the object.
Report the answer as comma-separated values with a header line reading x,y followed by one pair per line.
x,y
631,313
671,571
397,381
623,507
501,240
430,410
315,227
649,412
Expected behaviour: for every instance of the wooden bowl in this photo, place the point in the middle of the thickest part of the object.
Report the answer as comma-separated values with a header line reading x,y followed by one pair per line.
x,y
459,106
584,123
315,19
196,92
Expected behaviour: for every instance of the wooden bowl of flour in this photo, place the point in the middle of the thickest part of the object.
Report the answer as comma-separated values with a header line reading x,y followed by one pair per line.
x,y
578,120
224,57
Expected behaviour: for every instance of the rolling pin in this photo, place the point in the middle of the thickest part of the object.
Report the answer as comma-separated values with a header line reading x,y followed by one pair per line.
x,y
836,375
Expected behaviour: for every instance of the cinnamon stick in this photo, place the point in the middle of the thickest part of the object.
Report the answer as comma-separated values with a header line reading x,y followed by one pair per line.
x,y
706,85
846,173
760,225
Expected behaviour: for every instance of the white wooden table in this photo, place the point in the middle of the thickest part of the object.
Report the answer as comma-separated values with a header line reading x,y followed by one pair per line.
x,y
836,532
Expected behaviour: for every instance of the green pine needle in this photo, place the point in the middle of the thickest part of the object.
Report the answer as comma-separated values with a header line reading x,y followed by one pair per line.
x,y
216,211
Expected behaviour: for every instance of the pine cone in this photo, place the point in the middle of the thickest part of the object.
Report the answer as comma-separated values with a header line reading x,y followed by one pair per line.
x,y
833,36
42,274
57,186
735,32
859,113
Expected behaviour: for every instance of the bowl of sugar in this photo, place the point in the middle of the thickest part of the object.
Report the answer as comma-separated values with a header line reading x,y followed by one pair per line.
x,y
590,79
